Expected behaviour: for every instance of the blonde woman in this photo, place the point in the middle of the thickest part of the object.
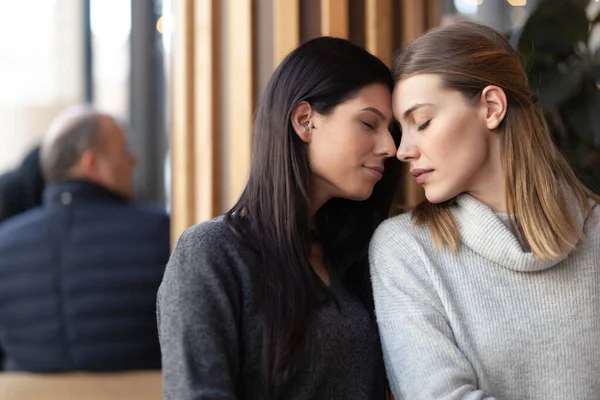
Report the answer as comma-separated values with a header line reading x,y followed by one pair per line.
x,y
489,289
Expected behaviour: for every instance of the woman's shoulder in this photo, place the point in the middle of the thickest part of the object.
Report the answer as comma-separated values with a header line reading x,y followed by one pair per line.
x,y
224,233
213,242
399,238
206,253
208,233
400,228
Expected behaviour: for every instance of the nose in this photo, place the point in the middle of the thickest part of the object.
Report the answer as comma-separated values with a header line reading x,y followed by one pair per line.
x,y
386,146
407,150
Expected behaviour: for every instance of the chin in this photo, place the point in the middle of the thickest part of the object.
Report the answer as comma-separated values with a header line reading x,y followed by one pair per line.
x,y
361,195
438,196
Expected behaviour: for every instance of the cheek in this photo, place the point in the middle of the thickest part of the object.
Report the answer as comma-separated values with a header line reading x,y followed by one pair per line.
x,y
337,157
335,147
462,146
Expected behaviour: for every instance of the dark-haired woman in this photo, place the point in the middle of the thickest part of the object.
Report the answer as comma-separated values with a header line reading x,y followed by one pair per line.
x,y
272,299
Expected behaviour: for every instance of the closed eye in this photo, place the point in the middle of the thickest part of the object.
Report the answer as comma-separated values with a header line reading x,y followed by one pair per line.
x,y
367,125
425,125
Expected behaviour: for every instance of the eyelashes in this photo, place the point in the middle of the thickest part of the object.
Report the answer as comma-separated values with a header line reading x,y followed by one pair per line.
x,y
425,125
367,125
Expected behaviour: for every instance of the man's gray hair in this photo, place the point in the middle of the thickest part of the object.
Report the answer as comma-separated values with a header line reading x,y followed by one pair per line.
x,y
69,136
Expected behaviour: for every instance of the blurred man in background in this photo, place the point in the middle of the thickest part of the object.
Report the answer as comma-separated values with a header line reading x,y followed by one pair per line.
x,y
79,275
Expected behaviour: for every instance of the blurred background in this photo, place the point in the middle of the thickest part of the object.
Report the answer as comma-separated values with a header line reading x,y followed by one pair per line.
x,y
110,53
185,75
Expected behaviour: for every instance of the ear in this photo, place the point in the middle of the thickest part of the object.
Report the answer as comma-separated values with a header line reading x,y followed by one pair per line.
x,y
87,163
301,120
493,101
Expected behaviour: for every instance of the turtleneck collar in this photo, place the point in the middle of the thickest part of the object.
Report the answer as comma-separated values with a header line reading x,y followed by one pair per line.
x,y
484,232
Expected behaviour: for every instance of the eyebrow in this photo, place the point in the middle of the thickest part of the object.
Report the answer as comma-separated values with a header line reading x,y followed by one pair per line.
x,y
414,108
375,111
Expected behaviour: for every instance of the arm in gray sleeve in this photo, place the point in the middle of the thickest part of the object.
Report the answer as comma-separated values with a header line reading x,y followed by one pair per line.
x,y
198,313
421,356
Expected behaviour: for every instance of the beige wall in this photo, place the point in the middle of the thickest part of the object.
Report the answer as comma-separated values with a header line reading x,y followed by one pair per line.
x,y
42,72
21,128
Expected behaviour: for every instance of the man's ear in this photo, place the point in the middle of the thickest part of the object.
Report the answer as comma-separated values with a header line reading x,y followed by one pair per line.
x,y
494,106
302,116
87,163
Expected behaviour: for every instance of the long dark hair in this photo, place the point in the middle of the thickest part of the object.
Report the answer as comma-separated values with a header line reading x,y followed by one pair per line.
x,y
273,210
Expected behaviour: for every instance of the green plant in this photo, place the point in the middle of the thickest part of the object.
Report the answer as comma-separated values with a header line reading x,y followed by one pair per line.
x,y
564,73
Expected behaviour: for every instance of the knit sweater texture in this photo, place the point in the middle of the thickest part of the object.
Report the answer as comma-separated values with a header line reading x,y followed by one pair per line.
x,y
489,321
211,328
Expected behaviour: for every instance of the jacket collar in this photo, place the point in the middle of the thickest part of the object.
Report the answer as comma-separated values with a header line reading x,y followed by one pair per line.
x,y
79,191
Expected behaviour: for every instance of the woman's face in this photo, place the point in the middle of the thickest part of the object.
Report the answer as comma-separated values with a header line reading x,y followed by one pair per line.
x,y
349,146
445,139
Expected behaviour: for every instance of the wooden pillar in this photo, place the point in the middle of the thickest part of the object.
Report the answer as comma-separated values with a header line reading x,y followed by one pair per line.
x,y
286,28
334,18
414,19
241,96
206,99
435,11
182,140
379,29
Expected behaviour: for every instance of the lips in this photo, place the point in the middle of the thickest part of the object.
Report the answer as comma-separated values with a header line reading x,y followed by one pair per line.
x,y
376,170
421,175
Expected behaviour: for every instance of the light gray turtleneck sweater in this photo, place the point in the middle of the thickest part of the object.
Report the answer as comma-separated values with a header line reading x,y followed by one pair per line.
x,y
490,321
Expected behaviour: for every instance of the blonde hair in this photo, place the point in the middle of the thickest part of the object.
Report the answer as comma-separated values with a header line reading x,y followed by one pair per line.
x,y
543,195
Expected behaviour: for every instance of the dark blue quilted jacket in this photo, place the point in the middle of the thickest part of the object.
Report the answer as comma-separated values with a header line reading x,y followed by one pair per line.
x,y
78,282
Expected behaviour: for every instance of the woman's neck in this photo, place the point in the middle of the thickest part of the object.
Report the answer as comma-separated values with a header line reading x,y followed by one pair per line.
x,y
490,187
318,195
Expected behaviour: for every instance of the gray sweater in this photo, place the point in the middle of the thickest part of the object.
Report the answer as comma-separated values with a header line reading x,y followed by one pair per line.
x,y
488,322
210,330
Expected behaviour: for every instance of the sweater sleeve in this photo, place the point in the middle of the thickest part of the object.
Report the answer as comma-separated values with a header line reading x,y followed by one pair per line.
x,y
421,356
198,312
